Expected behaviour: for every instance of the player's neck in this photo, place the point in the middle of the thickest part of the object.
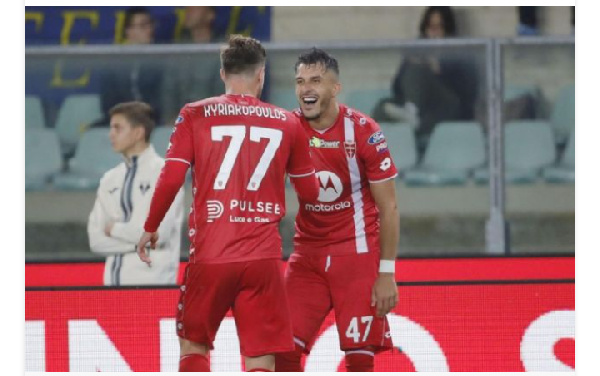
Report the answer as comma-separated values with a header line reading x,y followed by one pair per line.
x,y
241,88
327,118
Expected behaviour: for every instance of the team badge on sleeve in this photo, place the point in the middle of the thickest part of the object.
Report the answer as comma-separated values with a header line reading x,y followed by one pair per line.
x,y
382,147
179,119
376,138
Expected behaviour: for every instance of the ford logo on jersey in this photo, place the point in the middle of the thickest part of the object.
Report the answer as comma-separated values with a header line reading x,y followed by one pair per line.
x,y
376,138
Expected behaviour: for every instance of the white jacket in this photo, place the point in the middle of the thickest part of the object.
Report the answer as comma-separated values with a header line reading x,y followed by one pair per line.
x,y
124,197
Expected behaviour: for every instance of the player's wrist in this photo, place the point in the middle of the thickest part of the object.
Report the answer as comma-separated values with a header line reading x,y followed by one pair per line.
x,y
387,267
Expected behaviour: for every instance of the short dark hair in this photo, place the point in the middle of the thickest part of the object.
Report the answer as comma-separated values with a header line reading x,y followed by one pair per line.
x,y
130,12
447,18
139,114
318,56
242,55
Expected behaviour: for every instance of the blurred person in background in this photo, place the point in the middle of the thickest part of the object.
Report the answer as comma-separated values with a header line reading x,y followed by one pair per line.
x,y
528,21
432,86
123,201
345,243
133,79
198,25
190,78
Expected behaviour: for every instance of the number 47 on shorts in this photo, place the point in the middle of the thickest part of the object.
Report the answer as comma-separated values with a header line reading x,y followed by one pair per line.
x,y
353,330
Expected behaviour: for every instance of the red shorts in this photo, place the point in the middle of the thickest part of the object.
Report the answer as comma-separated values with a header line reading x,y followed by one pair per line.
x,y
344,283
253,290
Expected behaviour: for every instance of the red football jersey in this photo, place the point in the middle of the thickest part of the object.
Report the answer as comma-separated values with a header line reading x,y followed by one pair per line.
x,y
347,157
240,149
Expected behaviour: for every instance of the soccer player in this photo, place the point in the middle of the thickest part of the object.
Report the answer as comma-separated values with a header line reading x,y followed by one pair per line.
x,y
239,149
123,201
345,245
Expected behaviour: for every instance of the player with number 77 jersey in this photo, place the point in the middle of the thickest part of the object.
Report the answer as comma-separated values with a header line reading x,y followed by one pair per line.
x,y
239,149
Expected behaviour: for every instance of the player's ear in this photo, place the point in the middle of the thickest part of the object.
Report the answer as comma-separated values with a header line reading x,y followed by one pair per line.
x,y
337,88
222,74
261,75
140,133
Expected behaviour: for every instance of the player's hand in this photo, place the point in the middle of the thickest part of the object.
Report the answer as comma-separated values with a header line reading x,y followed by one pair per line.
x,y
384,295
151,237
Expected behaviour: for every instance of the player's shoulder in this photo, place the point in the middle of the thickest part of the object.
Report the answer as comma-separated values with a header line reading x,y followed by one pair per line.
x,y
196,107
364,125
360,119
285,115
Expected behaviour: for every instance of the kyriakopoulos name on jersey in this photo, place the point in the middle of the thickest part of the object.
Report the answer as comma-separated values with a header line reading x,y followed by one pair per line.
x,y
222,109
255,207
327,208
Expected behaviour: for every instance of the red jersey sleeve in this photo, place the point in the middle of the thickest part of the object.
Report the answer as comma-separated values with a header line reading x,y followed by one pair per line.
x,y
181,146
374,151
300,163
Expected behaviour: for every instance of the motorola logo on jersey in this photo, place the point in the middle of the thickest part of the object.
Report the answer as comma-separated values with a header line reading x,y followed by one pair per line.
x,y
330,186
215,210
331,189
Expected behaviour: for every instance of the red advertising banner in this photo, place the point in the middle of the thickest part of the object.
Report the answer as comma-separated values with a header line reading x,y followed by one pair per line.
x,y
442,269
437,326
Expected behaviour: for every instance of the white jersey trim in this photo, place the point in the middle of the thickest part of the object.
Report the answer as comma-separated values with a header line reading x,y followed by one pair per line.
x,y
299,342
301,175
365,352
382,180
359,216
178,160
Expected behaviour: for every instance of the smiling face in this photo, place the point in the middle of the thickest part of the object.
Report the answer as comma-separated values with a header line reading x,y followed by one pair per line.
x,y
316,89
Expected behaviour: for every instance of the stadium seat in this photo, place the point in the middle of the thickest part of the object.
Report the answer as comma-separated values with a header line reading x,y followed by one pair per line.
x,y
528,147
74,116
93,157
160,139
455,148
401,142
42,158
562,117
564,172
34,112
285,98
365,100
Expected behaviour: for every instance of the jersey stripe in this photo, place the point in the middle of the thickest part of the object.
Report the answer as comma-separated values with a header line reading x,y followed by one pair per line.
x,y
178,160
301,175
359,216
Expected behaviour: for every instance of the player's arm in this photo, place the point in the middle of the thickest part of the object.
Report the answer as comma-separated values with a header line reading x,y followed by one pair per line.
x,y
99,242
385,291
179,157
381,171
300,167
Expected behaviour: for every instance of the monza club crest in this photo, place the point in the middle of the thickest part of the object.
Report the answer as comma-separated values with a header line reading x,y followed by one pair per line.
x,y
350,147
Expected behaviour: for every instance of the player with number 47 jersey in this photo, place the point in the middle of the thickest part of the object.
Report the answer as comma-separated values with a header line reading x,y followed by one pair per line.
x,y
345,243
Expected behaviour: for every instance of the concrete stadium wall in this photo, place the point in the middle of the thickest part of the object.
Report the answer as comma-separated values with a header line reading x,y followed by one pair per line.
x,y
342,23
